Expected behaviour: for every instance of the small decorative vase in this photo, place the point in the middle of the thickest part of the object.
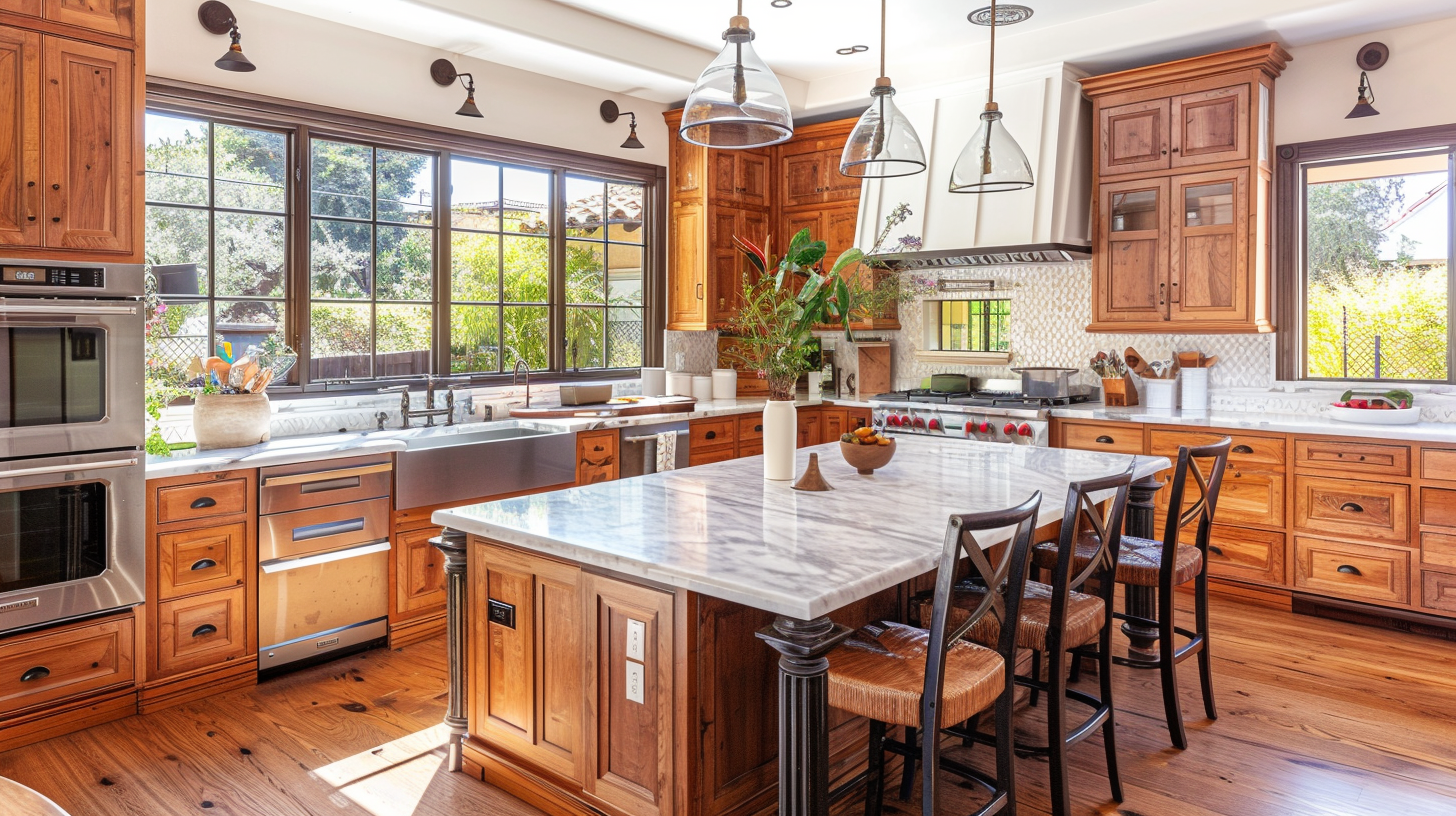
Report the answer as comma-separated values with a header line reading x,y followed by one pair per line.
x,y
230,420
780,440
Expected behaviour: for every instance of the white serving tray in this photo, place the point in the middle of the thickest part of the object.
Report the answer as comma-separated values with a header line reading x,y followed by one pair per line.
x,y
1375,416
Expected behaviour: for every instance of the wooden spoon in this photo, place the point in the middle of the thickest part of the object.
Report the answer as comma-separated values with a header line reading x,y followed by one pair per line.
x,y
1208,362
1135,362
1190,359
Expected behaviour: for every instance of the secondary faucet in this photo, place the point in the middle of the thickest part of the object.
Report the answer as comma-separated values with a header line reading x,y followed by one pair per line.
x,y
430,411
515,375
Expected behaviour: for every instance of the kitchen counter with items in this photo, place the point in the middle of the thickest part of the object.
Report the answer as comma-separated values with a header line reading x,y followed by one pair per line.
x,y
1259,421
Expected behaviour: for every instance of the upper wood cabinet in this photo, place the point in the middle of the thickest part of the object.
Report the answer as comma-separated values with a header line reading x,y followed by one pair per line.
x,y
740,176
1182,194
115,17
88,147
20,121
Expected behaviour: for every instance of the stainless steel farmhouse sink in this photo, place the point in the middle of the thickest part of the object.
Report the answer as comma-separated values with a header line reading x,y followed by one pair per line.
x,y
467,462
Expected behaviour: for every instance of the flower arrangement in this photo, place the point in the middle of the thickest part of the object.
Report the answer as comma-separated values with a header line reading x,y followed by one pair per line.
x,y
161,379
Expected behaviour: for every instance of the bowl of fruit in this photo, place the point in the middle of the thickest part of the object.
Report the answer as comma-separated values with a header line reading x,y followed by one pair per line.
x,y
865,450
1377,407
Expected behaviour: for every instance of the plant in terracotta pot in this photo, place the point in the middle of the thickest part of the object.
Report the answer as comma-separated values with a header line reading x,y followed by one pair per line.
x,y
784,300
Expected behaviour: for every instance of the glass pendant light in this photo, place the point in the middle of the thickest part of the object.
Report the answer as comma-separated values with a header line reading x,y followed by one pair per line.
x,y
883,143
737,102
992,161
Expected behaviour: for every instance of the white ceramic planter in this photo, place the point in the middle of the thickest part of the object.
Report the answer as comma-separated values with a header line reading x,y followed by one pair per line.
x,y
230,420
780,440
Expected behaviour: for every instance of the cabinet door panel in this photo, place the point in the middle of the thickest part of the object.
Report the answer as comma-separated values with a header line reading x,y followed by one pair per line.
x,y
753,178
20,119
1134,138
1211,127
30,7
803,179
88,155
596,457
837,186
1352,570
1246,555
1209,262
204,630
1133,241
201,560
419,572
722,170
686,306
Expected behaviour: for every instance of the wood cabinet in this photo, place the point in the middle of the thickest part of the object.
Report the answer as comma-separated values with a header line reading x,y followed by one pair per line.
x,y
809,175
1112,437
597,455
741,177
419,572
1347,569
1182,194
20,144
810,427
201,587
112,17
45,667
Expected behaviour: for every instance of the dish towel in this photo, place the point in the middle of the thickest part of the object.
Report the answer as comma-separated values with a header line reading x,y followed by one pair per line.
x,y
666,451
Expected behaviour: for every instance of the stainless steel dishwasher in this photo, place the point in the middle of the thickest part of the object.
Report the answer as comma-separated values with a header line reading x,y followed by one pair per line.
x,y
323,559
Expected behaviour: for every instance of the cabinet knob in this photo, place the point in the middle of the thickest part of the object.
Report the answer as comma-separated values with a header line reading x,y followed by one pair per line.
x,y
30,184
55,186
710,435
56,220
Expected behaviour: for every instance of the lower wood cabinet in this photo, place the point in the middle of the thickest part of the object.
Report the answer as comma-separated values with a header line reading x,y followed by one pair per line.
x,y
419,571
1247,555
202,630
1438,591
596,456
50,666
1119,437
1349,570
1352,509
201,560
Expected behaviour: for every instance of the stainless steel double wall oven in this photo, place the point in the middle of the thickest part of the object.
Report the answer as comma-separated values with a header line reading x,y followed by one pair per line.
x,y
72,469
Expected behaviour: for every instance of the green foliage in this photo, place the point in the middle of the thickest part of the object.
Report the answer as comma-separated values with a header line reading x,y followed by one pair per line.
x,y
1406,308
1343,222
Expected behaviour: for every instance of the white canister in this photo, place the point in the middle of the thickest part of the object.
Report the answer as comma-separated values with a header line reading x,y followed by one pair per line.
x,y
1161,394
679,384
780,440
816,385
703,388
1195,389
725,384
654,382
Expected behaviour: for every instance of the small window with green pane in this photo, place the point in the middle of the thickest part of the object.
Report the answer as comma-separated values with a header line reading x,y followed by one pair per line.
x,y
974,325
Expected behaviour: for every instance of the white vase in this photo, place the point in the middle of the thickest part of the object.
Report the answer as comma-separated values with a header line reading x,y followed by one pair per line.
x,y
780,440
230,420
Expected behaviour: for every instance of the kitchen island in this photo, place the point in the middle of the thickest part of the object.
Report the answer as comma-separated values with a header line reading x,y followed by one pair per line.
x,y
607,658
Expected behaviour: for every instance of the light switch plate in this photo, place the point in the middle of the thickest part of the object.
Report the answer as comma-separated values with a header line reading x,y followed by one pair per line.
x,y
635,682
637,640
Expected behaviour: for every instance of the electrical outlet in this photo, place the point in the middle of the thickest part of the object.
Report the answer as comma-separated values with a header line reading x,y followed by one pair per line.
x,y
637,640
636,682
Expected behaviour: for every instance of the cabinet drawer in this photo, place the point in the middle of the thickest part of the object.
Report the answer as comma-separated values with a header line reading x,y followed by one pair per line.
x,y
42,668
712,433
1438,550
710,456
1438,464
1116,439
1253,451
752,447
750,427
203,630
200,560
596,457
1438,507
1350,509
1246,555
1438,591
1246,497
200,501
1351,457
1352,570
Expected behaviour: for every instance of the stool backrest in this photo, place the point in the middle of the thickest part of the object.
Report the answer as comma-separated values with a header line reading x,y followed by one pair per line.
x,y
1205,465
1105,522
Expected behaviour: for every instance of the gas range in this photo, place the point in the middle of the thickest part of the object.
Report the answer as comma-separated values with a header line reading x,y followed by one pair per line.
x,y
997,413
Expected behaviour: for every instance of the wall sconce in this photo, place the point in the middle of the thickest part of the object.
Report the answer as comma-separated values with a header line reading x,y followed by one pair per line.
x,y
1371,57
217,18
610,114
444,73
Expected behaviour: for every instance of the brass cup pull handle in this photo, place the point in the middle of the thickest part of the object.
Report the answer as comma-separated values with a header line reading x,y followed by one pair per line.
x,y
1351,507
1105,440
1215,549
758,428
204,630
1348,570
1242,449
37,673
710,435
203,503
206,563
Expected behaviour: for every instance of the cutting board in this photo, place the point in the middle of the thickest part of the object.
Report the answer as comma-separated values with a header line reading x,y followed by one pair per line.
x,y
651,405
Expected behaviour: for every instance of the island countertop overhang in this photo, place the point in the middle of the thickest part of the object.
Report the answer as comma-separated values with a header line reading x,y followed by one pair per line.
x,y
722,531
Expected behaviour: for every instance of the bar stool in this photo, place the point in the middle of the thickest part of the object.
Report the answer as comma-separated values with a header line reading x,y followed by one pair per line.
x,y
18,800
1164,565
893,674
1057,618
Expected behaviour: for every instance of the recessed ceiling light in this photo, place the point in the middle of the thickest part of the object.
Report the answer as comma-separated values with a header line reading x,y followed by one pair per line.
x,y
1005,15
853,49
781,3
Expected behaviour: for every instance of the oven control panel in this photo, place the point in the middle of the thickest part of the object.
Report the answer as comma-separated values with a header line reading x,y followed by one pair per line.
x,y
77,277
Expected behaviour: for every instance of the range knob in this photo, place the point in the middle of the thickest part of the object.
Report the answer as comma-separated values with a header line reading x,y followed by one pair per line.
x,y
918,422
970,428
1024,430
893,420
1010,429
934,424
984,427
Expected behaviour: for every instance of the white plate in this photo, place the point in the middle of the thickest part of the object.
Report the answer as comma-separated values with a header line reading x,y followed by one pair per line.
x,y
1376,416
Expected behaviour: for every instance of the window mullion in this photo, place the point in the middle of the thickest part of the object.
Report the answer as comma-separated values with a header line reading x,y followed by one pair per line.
x,y
300,282
441,294
556,287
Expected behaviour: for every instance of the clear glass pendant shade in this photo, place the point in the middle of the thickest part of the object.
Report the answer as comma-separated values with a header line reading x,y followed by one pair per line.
x,y
883,143
737,102
992,161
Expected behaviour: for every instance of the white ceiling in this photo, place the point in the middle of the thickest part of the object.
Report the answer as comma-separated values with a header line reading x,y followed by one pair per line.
x,y
655,49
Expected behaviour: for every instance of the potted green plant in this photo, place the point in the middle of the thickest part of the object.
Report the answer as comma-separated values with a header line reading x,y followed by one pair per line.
x,y
784,300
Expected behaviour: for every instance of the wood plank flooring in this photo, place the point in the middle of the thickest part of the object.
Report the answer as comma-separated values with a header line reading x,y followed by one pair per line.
x,y
1318,718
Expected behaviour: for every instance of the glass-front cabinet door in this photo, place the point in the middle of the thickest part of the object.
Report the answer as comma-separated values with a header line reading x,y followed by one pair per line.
x,y
1132,269
1210,255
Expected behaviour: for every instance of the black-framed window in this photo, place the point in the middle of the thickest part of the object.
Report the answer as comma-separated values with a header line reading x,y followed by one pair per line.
x,y
216,232
387,232
973,325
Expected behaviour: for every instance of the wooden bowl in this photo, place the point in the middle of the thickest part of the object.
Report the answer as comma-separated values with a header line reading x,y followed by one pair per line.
x,y
867,458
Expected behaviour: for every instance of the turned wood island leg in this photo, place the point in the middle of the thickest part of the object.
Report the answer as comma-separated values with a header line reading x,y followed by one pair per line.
x,y
452,544
1141,601
803,647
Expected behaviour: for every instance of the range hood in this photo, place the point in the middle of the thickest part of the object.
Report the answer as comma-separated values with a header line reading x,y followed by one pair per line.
x,y
1049,223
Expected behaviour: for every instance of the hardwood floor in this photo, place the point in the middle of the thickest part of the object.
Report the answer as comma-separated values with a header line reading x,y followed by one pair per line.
x,y
1318,718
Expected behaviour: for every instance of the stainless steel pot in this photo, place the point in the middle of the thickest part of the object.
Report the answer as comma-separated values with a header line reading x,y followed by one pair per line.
x,y
1046,381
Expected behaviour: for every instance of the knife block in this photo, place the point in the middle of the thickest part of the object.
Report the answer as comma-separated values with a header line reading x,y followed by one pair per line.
x,y
1119,391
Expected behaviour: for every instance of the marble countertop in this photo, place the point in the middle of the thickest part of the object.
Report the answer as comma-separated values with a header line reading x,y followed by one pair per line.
x,y
1257,421
723,531
320,447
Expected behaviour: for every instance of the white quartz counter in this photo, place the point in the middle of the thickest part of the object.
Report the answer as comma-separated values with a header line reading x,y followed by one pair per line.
x,y
319,447
1254,421
723,531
